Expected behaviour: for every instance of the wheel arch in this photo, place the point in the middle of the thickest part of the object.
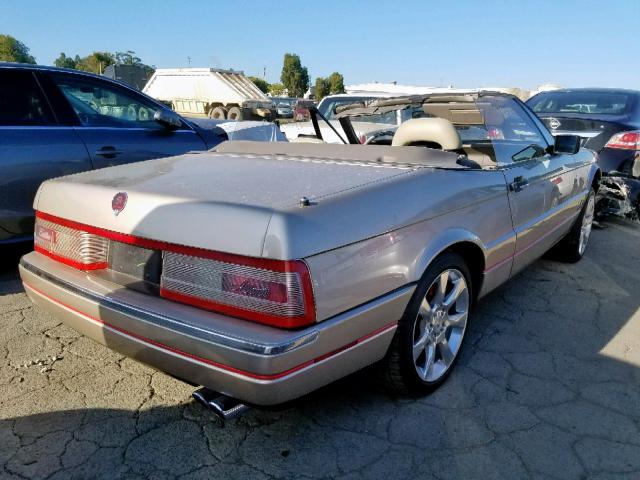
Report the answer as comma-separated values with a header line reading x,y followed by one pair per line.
x,y
595,179
465,244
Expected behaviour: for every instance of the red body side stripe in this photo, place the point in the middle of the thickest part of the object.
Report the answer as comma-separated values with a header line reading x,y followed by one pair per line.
x,y
257,376
527,247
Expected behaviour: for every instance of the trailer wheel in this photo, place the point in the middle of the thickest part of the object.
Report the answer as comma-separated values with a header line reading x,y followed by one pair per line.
x,y
235,114
218,113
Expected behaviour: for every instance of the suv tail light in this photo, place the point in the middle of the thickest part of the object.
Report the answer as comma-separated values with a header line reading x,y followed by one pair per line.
x,y
73,247
625,141
273,292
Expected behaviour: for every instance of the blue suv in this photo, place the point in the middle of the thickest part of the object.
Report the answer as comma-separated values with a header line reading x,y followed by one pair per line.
x,y
57,122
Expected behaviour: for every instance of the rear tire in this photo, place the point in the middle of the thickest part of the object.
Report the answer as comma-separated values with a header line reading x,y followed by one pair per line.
x,y
431,332
573,246
218,113
235,114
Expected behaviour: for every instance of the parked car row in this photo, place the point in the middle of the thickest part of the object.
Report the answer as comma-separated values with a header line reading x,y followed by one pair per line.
x,y
293,108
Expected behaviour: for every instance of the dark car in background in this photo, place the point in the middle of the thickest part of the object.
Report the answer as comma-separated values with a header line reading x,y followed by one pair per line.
x,y
301,110
284,110
608,120
56,122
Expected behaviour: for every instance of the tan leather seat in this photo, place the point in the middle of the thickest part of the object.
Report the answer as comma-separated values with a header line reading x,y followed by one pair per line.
x,y
428,132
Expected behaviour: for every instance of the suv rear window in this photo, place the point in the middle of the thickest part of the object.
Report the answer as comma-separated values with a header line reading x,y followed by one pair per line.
x,y
22,103
612,103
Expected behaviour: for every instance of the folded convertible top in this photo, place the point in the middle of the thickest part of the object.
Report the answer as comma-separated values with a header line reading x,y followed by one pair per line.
x,y
413,156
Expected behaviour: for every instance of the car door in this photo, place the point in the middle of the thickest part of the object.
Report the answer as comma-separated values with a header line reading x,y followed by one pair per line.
x,y
117,124
34,146
541,184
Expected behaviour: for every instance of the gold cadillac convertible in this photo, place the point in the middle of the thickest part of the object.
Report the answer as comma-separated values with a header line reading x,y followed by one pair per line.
x,y
262,271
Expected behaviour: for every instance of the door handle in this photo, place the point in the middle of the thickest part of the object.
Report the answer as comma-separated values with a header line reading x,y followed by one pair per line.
x,y
108,152
518,184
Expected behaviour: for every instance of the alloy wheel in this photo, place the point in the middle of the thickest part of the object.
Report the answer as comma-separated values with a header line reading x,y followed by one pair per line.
x,y
440,325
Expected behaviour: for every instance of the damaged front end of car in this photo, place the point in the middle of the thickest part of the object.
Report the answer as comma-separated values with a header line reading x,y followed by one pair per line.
x,y
619,195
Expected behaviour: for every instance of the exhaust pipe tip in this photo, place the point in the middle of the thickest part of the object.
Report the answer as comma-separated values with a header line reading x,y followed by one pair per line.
x,y
223,406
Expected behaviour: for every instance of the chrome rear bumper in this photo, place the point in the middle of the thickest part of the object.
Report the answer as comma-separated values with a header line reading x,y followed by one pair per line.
x,y
254,363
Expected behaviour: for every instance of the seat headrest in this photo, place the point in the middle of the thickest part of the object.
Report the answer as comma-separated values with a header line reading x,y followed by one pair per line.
x,y
427,130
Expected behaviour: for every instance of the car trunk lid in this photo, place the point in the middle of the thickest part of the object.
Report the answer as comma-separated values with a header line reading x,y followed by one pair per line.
x,y
595,130
214,201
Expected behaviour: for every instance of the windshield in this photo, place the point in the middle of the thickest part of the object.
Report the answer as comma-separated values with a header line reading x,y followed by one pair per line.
x,y
490,126
328,105
612,103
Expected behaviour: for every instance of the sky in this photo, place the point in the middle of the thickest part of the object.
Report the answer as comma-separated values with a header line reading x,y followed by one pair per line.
x,y
462,43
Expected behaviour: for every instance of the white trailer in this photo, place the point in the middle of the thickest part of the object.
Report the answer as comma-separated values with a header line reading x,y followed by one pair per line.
x,y
210,92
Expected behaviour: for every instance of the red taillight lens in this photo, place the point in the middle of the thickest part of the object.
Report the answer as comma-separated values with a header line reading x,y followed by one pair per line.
x,y
273,292
253,287
70,246
625,141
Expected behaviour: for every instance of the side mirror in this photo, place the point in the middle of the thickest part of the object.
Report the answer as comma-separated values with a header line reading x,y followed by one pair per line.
x,y
168,119
566,144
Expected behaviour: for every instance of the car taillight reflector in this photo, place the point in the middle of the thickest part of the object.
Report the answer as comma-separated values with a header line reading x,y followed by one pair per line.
x,y
279,294
625,141
253,287
73,247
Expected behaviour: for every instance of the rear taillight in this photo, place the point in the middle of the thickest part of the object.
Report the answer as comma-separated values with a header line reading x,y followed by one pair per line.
x,y
277,293
625,141
273,292
70,246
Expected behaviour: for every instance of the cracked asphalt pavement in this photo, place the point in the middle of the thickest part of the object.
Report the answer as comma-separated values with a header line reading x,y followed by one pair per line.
x,y
548,386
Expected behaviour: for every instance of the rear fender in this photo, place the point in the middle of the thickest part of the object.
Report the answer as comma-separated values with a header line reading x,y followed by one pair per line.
x,y
440,243
594,175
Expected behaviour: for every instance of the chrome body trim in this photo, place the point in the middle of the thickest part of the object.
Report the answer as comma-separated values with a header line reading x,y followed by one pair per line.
x,y
336,347
240,344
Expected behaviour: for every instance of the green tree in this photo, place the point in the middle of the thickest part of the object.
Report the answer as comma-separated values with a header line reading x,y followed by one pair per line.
x,y
66,62
128,58
96,62
13,50
276,89
263,85
294,77
336,83
321,89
